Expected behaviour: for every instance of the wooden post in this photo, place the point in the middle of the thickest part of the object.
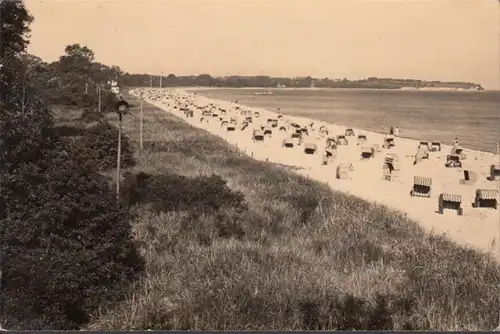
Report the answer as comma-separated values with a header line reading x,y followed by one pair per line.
x,y
86,88
142,117
23,105
99,97
498,203
118,158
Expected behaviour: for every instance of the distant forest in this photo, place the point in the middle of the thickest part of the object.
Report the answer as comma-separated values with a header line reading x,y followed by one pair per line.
x,y
206,80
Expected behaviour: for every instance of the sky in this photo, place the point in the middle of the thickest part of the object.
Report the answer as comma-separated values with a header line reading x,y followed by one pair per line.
x,y
446,40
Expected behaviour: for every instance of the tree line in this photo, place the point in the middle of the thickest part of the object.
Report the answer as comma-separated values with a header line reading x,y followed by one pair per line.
x,y
262,81
66,246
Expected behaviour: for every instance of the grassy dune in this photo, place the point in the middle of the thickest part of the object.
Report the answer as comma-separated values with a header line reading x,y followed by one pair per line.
x,y
297,256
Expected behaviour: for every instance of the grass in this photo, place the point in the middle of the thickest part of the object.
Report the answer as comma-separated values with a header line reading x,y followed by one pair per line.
x,y
303,258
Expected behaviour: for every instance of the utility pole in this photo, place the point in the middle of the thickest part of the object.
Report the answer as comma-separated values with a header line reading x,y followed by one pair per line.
x,y
23,105
498,203
122,108
141,126
99,97
119,155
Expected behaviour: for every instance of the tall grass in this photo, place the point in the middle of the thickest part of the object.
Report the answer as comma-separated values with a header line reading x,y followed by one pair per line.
x,y
303,257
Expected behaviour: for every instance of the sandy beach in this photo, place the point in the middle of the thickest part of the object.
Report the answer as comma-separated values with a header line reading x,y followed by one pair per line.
x,y
477,227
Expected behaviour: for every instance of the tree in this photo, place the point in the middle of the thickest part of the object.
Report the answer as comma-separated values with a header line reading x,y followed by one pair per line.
x,y
78,51
20,126
14,30
77,59
204,80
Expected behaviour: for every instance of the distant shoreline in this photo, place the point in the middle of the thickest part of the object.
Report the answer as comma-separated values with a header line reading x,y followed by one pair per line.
x,y
425,89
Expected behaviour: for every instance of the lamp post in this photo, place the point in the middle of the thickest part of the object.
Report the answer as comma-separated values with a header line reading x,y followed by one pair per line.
x,y
141,125
122,108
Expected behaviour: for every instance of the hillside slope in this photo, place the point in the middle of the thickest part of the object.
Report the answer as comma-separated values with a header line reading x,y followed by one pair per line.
x,y
293,256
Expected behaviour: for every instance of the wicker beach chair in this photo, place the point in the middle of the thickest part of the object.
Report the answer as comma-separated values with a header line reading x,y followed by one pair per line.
x,y
343,171
458,150
421,186
494,173
362,139
258,135
349,132
470,177
342,140
329,156
367,153
297,138
268,131
422,153
392,168
453,161
310,148
389,142
288,143
424,144
243,125
486,198
450,202
323,130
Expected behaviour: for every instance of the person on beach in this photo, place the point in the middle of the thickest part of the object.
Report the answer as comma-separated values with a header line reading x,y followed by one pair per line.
x,y
391,131
456,141
396,132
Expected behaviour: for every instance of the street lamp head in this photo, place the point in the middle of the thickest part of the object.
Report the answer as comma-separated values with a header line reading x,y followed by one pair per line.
x,y
122,107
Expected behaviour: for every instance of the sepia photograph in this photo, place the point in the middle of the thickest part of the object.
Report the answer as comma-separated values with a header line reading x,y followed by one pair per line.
x,y
250,165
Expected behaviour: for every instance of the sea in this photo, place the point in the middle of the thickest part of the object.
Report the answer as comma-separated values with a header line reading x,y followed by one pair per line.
x,y
472,117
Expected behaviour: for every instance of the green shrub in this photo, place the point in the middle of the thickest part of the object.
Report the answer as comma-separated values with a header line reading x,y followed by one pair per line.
x,y
64,130
67,245
89,115
98,147
168,192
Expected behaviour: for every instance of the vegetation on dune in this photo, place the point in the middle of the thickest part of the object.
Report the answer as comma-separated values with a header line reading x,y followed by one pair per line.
x,y
297,256
97,148
209,238
66,244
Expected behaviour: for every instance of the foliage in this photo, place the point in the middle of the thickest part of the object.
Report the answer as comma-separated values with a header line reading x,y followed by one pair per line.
x,y
67,247
176,192
89,115
97,148
206,80
14,30
214,210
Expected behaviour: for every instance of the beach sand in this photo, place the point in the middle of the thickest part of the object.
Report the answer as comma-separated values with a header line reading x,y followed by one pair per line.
x,y
477,227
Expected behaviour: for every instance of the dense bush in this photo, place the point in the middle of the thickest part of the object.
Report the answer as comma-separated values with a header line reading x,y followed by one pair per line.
x,y
214,210
346,313
70,97
168,192
67,246
98,147
65,130
89,115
